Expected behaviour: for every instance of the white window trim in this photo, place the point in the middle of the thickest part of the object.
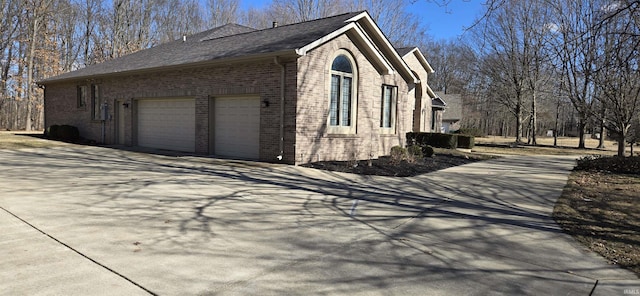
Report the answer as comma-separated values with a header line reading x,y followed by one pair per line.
x,y
394,104
354,95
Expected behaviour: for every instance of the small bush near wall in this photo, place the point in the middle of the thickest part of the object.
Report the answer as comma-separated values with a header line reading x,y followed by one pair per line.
x,y
63,132
52,132
427,151
466,141
414,153
398,154
69,133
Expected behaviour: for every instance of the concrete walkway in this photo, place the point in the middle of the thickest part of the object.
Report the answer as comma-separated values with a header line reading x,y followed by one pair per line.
x,y
88,220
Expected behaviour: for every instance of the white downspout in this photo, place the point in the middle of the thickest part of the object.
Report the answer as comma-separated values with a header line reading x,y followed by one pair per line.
x,y
281,138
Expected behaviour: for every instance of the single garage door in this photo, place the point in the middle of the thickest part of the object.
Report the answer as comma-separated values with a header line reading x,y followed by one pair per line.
x,y
167,124
237,127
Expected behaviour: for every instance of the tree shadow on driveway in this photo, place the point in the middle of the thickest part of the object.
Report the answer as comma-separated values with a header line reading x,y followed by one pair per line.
x,y
197,225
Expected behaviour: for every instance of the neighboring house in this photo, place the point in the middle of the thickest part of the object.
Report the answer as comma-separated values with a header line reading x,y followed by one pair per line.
x,y
328,89
453,112
438,106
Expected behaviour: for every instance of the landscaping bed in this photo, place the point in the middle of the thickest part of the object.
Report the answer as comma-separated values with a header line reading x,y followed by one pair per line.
x,y
386,166
600,208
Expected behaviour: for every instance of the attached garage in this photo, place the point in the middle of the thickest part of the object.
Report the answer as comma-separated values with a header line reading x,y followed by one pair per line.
x,y
236,127
167,124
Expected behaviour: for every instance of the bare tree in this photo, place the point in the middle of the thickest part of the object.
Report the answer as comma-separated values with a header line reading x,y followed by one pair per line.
x,y
507,58
399,26
617,78
576,50
292,11
222,12
175,19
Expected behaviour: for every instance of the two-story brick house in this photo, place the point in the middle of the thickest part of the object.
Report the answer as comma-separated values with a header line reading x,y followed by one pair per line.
x,y
328,89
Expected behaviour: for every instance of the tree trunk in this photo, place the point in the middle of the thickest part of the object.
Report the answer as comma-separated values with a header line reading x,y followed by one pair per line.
x,y
555,128
602,128
621,146
519,126
29,87
581,131
622,137
534,120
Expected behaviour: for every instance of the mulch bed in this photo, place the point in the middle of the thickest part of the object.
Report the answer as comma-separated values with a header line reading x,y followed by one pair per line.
x,y
385,166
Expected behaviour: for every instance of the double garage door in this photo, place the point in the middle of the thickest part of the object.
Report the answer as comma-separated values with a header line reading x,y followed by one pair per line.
x,y
170,124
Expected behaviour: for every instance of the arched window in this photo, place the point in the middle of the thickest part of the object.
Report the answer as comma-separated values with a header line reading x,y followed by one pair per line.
x,y
342,94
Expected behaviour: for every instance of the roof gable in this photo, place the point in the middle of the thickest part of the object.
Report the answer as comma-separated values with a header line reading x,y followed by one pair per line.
x,y
404,52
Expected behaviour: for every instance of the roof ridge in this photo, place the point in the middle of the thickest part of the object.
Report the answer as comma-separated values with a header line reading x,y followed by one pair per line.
x,y
285,26
314,20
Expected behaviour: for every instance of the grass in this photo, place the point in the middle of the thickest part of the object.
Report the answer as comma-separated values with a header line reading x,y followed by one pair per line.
x,y
602,211
22,140
566,146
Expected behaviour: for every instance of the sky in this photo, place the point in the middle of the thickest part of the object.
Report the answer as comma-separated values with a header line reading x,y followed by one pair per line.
x,y
447,22
441,22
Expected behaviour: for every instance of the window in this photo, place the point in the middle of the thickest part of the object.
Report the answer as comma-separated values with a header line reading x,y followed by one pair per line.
x,y
96,103
82,92
342,95
387,110
387,113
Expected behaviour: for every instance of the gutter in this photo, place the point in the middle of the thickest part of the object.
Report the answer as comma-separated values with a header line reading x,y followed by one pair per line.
x,y
277,61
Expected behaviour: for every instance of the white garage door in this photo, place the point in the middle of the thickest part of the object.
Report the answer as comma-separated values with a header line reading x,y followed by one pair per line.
x,y
167,124
237,127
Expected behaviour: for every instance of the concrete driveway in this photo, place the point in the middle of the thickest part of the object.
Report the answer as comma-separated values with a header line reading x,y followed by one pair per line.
x,y
98,221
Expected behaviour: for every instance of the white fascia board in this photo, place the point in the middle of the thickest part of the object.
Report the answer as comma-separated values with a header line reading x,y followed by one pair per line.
x,y
385,42
374,49
360,35
431,93
423,60
303,50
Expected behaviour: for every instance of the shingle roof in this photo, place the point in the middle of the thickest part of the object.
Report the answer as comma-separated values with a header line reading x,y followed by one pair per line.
x,y
226,30
403,51
215,44
438,102
453,110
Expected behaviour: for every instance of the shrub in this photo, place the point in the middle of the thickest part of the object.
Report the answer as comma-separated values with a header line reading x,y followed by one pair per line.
x,y
614,164
427,151
398,154
438,140
69,133
447,141
63,132
466,141
414,153
53,132
476,132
